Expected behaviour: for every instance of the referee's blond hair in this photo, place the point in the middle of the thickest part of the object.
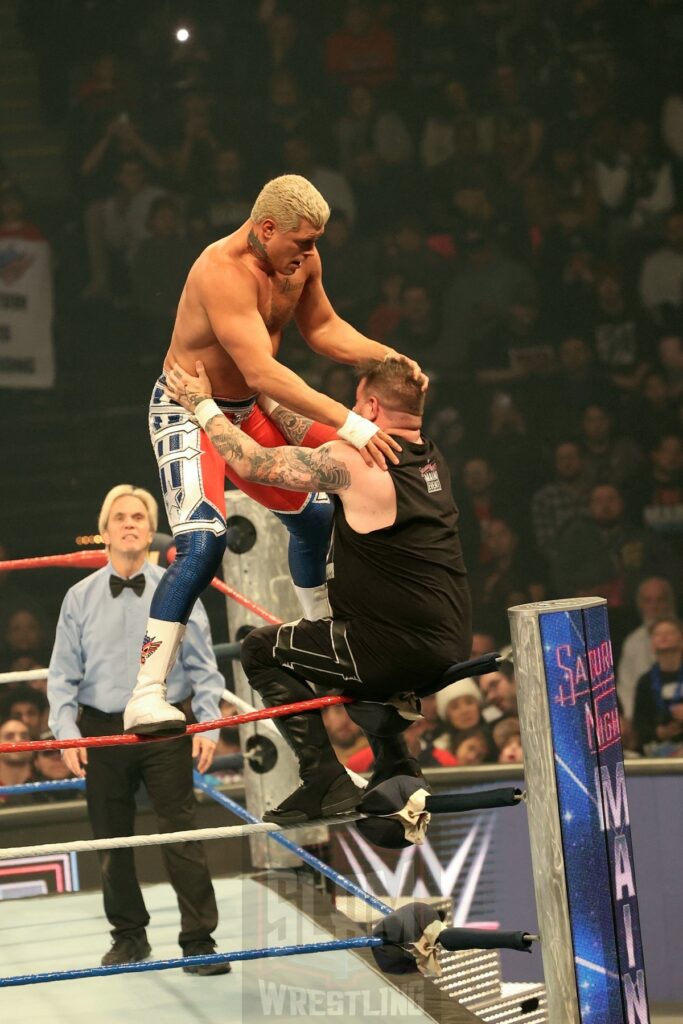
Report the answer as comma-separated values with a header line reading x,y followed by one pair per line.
x,y
124,491
290,199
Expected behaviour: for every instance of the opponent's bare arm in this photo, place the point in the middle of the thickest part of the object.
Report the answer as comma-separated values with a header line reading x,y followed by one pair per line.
x,y
296,469
239,328
325,332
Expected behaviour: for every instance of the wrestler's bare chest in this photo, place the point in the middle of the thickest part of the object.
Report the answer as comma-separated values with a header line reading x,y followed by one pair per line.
x,y
278,299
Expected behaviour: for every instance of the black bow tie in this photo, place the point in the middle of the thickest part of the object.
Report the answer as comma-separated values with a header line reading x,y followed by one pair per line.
x,y
137,583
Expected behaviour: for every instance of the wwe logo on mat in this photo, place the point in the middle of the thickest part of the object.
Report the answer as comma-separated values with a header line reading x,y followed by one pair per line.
x,y
149,645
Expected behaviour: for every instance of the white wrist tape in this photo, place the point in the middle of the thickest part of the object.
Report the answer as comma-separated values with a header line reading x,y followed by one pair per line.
x,y
357,430
267,404
206,411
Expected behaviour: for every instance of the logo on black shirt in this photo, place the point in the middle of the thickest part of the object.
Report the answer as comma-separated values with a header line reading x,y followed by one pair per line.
x,y
430,475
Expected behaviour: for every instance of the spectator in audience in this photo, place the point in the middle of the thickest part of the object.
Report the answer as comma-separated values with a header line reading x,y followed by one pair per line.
x,y
362,51
368,127
479,502
502,730
228,200
193,153
115,228
579,384
657,495
651,411
608,458
661,276
350,269
562,500
507,578
476,303
339,383
658,710
638,189
472,747
670,352
511,752
50,766
458,705
447,429
621,335
515,131
13,220
418,331
408,253
26,705
450,126
288,112
500,691
519,349
604,555
346,737
16,768
158,271
654,600
482,643
24,633
106,128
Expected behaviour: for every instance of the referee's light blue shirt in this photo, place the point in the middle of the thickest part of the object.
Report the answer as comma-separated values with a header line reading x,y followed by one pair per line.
x,y
96,654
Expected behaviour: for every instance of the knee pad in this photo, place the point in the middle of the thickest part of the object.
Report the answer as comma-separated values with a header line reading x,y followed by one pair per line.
x,y
257,651
198,556
309,538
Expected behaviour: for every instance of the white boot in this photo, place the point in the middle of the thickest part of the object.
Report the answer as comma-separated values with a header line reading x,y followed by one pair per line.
x,y
147,712
314,602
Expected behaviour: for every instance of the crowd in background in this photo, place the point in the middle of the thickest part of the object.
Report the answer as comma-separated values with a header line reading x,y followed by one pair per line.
x,y
506,184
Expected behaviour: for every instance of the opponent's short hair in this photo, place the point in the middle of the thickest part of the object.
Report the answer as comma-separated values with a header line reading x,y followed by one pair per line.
x,y
393,383
123,491
290,199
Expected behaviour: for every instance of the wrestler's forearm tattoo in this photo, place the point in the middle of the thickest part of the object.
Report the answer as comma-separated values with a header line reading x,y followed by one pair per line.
x,y
195,399
293,426
257,247
303,469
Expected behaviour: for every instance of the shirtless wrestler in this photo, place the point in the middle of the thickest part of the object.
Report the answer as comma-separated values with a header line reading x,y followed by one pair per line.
x,y
238,297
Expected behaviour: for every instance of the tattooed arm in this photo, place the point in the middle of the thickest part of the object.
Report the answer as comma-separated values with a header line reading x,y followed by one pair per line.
x,y
296,469
292,426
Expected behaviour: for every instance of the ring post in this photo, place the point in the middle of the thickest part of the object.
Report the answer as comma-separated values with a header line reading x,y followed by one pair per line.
x,y
578,813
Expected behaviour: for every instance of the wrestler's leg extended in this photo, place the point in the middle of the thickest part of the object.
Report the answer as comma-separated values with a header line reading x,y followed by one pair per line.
x,y
277,661
308,517
192,483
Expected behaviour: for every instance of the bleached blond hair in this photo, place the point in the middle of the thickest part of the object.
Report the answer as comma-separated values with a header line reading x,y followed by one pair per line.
x,y
125,491
288,200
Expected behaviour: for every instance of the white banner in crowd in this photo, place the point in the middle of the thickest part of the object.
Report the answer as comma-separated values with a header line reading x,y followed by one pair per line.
x,y
26,312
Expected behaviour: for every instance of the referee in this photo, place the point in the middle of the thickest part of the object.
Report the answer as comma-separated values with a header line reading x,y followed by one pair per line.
x,y
92,673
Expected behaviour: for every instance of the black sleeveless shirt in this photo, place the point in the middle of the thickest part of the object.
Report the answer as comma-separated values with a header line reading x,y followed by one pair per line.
x,y
404,587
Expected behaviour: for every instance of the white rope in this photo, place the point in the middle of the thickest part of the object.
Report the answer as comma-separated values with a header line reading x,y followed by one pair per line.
x,y
163,838
23,677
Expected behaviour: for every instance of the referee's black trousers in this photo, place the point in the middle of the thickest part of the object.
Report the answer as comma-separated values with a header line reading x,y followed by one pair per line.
x,y
113,776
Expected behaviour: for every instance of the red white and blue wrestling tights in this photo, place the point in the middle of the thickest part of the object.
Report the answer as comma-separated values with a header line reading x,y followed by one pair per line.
x,y
193,477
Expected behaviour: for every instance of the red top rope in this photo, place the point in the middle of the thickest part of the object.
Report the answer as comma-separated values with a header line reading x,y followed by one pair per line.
x,y
281,711
95,559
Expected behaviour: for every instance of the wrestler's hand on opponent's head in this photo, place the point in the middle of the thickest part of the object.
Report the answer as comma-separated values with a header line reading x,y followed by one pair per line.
x,y
189,391
418,374
379,448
